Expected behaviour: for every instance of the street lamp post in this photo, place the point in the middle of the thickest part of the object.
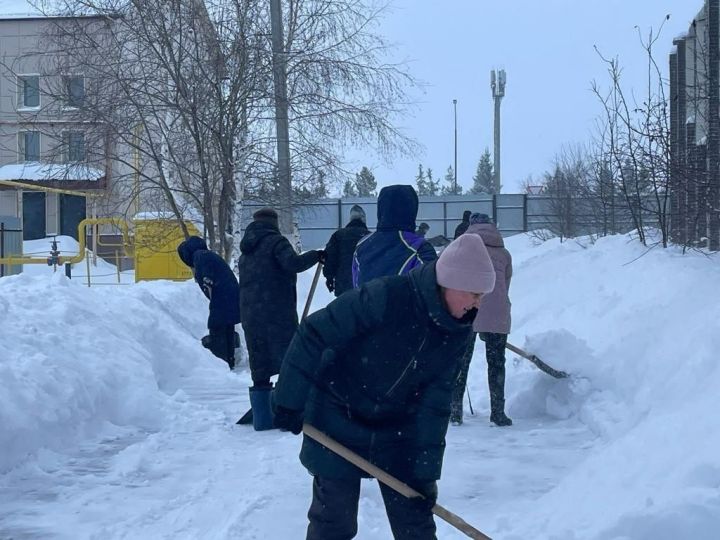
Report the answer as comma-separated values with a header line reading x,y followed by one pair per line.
x,y
455,169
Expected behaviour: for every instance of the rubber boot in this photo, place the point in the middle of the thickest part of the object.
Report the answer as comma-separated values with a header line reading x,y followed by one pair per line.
x,y
498,416
495,354
262,417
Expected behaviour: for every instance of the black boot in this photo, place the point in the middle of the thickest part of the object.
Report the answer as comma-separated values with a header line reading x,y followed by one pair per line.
x,y
495,354
500,419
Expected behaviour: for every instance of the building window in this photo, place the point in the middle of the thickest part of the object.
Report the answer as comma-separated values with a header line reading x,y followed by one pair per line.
x,y
74,91
29,145
74,146
29,90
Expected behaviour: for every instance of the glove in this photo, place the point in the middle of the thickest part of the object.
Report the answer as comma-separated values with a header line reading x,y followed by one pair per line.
x,y
322,256
206,341
330,284
288,420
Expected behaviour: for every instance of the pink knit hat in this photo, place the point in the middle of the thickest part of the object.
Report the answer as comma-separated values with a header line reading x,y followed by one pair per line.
x,y
466,266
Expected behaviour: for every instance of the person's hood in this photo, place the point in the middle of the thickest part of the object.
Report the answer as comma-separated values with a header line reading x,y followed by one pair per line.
x,y
488,232
254,234
466,216
397,208
187,249
424,280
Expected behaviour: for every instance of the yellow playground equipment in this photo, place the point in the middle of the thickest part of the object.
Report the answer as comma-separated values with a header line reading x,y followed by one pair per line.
x,y
153,246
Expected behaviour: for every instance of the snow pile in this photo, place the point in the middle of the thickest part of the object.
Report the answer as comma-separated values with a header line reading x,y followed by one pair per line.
x,y
640,331
76,357
37,172
116,423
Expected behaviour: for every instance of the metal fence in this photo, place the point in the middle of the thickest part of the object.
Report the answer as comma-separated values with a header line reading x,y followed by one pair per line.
x,y
513,214
10,243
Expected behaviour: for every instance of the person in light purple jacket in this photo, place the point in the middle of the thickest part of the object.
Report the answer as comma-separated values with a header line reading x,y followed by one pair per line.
x,y
492,323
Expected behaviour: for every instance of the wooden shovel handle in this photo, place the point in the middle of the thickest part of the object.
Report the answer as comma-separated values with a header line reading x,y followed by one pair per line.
x,y
316,277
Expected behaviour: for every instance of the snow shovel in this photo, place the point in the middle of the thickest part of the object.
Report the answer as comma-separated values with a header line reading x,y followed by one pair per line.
x,y
247,418
316,277
390,481
542,366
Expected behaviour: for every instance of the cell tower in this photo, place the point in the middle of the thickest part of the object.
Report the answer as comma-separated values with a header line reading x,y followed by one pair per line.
x,y
497,84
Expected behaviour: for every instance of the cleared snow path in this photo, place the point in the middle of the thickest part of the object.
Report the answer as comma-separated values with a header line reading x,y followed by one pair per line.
x,y
202,477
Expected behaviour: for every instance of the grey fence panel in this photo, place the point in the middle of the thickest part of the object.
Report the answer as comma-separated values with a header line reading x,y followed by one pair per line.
x,y
514,213
11,243
510,213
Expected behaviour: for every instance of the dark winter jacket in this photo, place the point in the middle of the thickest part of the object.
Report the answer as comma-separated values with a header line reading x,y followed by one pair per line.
x,y
339,255
268,268
464,224
394,248
375,370
216,280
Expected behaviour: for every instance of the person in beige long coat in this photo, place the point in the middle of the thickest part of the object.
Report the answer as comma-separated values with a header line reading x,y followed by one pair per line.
x,y
492,323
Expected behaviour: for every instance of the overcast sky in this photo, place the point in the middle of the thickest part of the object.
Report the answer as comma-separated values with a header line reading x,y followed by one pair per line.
x,y
14,7
546,48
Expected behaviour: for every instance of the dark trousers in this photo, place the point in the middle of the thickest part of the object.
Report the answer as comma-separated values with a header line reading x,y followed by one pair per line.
x,y
495,355
222,343
334,509
265,352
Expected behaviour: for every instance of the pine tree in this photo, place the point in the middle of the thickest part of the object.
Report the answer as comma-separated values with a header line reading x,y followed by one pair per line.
x,y
449,188
365,183
320,189
433,186
420,181
349,189
425,184
484,179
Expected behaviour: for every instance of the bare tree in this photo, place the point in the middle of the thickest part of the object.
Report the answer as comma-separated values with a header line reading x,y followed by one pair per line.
x,y
182,90
635,143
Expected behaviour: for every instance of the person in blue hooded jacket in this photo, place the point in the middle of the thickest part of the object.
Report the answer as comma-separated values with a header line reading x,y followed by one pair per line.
x,y
220,286
394,248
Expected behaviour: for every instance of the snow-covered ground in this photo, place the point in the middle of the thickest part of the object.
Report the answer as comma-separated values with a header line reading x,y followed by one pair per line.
x,y
116,423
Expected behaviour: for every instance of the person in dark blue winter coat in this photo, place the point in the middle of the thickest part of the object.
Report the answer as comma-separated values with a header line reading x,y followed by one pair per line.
x,y
394,248
220,286
339,252
375,370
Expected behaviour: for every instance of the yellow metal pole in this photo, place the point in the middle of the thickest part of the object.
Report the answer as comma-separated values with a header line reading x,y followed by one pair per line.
x,y
117,222
87,264
136,164
95,231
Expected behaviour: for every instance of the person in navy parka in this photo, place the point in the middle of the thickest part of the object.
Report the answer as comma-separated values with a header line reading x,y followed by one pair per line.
x,y
220,286
394,248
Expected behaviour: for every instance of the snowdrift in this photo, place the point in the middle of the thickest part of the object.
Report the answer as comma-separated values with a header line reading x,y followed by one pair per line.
x,y
635,428
639,329
75,357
